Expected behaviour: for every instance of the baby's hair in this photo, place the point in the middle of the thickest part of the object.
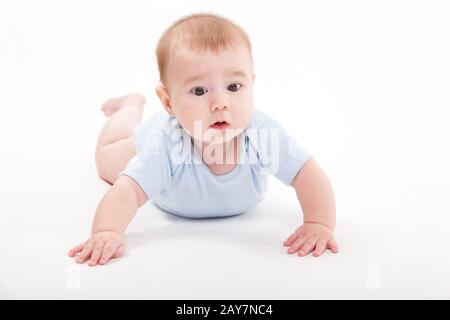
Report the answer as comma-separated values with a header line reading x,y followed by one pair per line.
x,y
199,32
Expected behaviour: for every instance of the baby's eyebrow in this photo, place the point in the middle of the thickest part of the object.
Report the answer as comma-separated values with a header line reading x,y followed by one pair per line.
x,y
236,73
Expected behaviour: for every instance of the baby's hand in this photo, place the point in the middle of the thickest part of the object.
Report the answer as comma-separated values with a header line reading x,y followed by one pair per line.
x,y
311,237
100,248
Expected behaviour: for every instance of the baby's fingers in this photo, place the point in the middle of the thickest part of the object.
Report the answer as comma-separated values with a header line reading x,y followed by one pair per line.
x,y
86,253
108,250
307,247
75,250
320,247
119,251
332,245
96,253
291,239
296,245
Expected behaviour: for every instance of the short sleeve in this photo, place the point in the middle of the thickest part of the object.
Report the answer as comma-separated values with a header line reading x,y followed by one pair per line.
x,y
150,167
280,154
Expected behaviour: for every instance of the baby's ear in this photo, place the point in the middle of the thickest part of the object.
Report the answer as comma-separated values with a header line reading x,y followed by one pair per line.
x,y
163,95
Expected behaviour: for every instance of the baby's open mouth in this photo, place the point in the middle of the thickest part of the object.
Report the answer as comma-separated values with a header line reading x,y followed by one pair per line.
x,y
220,125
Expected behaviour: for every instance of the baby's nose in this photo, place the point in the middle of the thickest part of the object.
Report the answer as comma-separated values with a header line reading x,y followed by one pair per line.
x,y
219,105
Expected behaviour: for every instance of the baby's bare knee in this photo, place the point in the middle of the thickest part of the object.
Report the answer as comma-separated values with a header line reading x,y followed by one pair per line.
x,y
111,159
104,165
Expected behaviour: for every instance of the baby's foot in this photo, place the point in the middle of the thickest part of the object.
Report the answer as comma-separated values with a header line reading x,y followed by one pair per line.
x,y
113,105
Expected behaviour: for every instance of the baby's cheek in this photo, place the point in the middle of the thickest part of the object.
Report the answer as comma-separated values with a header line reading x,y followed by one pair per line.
x,y
186,118
242,118
195,128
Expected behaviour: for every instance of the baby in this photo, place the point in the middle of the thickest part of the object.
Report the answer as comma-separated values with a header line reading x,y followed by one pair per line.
x,y
209,153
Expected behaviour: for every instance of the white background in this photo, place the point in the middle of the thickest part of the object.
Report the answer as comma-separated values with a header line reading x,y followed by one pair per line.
x,y
363,85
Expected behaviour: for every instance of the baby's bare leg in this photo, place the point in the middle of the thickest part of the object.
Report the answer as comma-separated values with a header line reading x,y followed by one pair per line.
x,y
115,146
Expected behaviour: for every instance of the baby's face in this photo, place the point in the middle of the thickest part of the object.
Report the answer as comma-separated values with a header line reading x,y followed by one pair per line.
x,y
206,88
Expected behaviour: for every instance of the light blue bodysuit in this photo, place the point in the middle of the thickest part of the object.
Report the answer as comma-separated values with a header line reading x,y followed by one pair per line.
x,y
171,173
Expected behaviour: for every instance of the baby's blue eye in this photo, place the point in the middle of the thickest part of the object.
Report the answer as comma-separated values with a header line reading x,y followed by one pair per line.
x,y
234,87
199,91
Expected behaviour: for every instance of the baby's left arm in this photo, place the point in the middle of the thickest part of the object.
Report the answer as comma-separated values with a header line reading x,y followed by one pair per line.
x,y
316,198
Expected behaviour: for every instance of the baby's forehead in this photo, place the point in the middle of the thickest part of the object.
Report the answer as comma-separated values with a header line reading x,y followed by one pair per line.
x,y
187,65
187,54
235,57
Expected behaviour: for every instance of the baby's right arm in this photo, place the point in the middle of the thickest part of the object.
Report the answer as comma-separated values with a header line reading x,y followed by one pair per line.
x,y
113,215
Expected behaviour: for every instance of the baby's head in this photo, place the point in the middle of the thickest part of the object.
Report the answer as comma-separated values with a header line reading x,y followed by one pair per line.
x,y
206,76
